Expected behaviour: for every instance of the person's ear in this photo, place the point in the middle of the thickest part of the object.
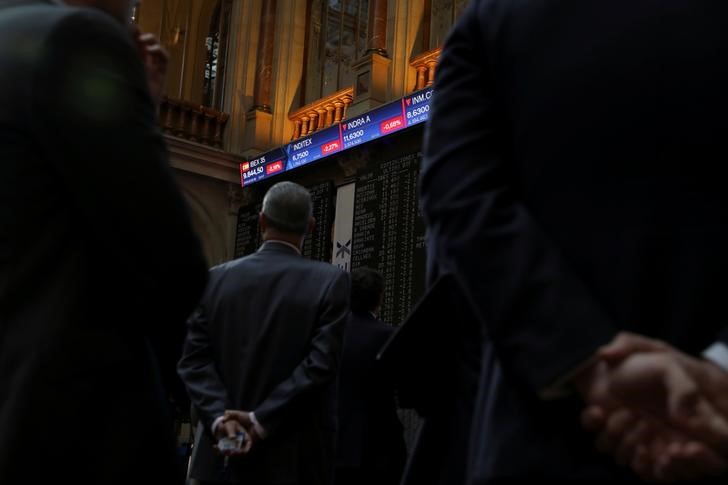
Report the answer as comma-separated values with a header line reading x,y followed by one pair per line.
x,y
262,222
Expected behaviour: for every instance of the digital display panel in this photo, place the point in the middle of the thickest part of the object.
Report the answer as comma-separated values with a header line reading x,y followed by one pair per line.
x,y
312,147
417,107
372,125
397,115
268,164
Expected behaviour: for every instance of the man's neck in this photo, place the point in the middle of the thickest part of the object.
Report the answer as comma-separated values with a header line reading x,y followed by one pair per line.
x,y
292,239
297,248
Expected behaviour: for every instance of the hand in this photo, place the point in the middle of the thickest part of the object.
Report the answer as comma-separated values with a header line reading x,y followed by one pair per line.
x,y
695,390
233,423
155,59
592,384
244,418
652,450
674,414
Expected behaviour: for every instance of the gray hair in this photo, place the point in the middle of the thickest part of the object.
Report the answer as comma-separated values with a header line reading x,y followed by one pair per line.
x,y
287,206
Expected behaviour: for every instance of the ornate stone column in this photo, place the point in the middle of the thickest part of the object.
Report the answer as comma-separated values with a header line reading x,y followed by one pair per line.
x,y
372,70
264,62
377,38
258,119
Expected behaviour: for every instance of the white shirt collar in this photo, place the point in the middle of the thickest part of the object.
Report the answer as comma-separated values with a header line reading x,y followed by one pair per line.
x,y
278,241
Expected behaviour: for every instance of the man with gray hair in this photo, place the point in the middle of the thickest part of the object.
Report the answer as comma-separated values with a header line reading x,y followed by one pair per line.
x,y
262,352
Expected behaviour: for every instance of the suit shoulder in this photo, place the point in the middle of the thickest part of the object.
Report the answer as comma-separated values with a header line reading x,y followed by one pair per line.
x,y
330,268
60,40
230,265
75,23
333,272
47,19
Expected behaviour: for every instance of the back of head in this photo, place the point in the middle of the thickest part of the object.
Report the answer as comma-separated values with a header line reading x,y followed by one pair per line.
x,y
367,286
288,208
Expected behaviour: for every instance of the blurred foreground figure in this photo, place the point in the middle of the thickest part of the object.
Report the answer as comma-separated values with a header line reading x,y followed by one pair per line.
x,y
573,188
98,261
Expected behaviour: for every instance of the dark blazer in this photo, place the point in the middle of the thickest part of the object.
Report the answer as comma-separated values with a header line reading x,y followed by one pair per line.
x,y
97,254
267,338
573,186
370,434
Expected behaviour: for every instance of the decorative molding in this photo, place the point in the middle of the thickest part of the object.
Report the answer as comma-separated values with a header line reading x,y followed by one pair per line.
x,y
321,113
425,64
192,121
203,160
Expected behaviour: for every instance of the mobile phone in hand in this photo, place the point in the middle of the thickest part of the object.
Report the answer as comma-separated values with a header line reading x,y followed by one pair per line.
x,y
228,445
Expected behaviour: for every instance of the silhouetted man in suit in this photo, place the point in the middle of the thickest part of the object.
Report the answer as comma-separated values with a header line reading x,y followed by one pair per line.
x,y
262,354
572,188
98,258
370,444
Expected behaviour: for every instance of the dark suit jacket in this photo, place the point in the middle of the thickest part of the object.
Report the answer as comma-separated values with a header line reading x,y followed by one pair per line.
x,y
573,185
370,433
267,338
97,253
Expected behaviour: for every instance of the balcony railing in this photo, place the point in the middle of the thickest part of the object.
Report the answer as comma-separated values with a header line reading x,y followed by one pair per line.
x,y
425,64
193,122
321,113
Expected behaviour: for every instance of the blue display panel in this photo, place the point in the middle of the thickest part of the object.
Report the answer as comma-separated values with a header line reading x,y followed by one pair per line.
x,y
417,107
318,145
372,125
397,115
269,164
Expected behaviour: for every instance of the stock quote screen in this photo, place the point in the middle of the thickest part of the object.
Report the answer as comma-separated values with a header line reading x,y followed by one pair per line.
x,y
389,118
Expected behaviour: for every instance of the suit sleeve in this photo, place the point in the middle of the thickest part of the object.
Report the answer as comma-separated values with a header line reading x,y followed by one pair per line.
x,y
318,368
540,316
96,124
198,371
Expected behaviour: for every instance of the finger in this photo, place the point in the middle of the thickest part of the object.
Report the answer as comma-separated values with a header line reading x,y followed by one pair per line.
x,y
240,416
677,465
232,428
669,465
638,433
232,414
593,418
613,430
156,49
147,38
682,392
626,344
642,464
706,460
706,424
696,462
247,443
158,54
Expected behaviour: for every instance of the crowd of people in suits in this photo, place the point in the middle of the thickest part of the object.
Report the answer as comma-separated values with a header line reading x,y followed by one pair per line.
x,y
573,328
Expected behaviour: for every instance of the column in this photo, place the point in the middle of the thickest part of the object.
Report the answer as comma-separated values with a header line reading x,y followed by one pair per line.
x,y
264,63
377,38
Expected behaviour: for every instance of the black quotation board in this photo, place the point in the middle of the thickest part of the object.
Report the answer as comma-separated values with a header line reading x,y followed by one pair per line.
x,y
389,233
316,246
247,233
